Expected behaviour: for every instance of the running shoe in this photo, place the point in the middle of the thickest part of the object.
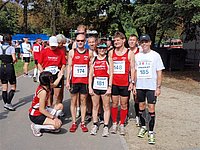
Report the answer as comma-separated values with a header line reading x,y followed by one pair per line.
x,y
73,127
137,121
36,132
114,128
151,138
122,130
94,130
142,132
9,107
105,132
83,127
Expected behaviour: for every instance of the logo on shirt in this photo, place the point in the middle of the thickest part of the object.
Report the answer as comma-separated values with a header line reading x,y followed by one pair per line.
x,y
52,58
77,57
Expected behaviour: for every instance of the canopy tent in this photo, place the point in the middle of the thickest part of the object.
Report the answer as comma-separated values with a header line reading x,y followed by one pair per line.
x,y
31,37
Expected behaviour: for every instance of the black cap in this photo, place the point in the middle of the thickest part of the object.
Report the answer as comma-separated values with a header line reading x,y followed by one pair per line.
x,y
145,37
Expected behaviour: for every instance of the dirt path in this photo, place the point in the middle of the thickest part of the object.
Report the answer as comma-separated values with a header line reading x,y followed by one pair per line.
x,y
177,123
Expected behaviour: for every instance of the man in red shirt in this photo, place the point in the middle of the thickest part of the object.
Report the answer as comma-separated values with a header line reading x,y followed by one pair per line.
x,y
37,47
123,60
78,69
53,60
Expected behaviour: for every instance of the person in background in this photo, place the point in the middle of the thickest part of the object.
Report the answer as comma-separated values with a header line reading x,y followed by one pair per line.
x,y
132,42
26,54
7,71
17,49
37,47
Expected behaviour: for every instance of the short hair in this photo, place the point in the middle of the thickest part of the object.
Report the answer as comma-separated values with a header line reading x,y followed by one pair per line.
x,y
81,26
133,35
92,36
119,35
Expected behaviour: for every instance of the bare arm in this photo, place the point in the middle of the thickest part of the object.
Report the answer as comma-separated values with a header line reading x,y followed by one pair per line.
x,y
42,96
69,68
159,81
90,80
111,67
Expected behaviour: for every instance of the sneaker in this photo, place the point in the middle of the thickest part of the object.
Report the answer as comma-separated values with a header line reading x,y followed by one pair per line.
x,y
114,128
9,107
142,132
36,132
29,75
105,132
83,127
94,130
122,129
151,138
34,79
73,127
137,121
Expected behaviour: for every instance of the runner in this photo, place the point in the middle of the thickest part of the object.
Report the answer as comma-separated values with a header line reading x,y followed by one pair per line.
x,y
132,42
149,68
37,47
78,68
43,115
100,83
53,60
26,54
123,61
7,71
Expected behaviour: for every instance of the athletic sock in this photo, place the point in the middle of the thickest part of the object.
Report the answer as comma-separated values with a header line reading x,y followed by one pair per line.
x,y
123,114
35,72
10,96
5,96
136,105
95,123
105,125
114,113
152,121
142,120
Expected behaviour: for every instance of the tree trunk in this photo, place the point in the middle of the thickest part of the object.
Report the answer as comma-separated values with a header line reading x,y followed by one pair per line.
x,y
161,37
53,17
25,24
4,4
151,31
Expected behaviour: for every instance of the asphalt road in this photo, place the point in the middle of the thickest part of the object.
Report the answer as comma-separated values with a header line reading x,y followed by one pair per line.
x,y
16,134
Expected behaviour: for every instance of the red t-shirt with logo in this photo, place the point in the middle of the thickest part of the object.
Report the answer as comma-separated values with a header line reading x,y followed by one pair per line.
x,y
36,51
100,68
50,57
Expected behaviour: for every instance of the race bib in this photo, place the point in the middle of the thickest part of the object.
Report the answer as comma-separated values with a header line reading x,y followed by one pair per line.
x,y
144,69
119,67
26,55
100,83
80,70
52,69
36,48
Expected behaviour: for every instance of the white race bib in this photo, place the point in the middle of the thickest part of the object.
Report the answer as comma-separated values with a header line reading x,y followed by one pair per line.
x,y
100,83
26,55
80,70
144,69
119,67
36,48
52,69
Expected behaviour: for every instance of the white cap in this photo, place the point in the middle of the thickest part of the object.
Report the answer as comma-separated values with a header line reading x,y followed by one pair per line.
x,y
1,38
60,38
53,41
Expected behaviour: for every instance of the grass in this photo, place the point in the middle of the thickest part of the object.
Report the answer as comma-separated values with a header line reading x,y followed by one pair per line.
x,y
19,67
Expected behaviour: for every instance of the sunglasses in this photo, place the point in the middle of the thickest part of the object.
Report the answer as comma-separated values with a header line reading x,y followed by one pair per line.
x,y
80,40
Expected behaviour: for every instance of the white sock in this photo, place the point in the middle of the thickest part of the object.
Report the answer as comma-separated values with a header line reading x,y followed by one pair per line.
x,y
35,72
78,108
151,132
58,112
49,127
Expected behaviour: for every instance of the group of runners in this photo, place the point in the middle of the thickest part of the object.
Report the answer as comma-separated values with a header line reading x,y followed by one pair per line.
x,y
102,74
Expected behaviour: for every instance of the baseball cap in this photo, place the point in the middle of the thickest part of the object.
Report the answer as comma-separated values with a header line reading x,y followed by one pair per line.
x,y
53,41
60,38
145,37
102,45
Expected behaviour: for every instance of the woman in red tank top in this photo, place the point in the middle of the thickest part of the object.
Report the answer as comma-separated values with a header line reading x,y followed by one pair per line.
x,y
39,113
100,83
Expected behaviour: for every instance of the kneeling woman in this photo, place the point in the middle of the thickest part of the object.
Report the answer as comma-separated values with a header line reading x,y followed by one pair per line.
x,y
100,83
43,116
